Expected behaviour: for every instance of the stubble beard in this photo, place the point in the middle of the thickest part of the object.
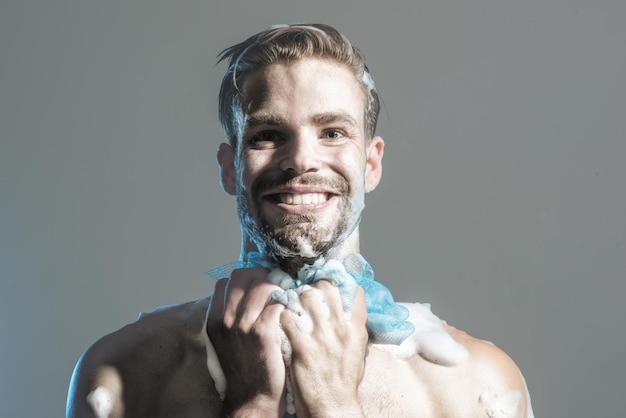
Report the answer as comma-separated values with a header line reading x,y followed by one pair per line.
x,y
292,241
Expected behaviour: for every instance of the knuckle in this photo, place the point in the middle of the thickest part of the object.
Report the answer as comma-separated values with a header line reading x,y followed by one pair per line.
x,y
250,273
264,285
310,294
324,284
219,287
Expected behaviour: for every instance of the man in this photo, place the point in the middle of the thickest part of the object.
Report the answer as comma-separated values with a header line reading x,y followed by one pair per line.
x,y
300,326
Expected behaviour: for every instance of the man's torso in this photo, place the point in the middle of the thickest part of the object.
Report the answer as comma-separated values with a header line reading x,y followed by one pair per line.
x,y
161,363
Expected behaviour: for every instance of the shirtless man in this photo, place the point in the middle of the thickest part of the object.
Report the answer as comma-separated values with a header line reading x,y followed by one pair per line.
x,y
299,109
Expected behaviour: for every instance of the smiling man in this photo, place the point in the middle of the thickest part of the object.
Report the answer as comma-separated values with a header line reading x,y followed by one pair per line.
x,y
298,325
303,163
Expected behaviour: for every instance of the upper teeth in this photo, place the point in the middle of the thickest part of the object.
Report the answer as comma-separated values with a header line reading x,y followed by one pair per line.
x,y
302,199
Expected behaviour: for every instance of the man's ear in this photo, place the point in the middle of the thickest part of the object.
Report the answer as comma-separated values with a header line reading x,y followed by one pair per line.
x,y
226,160
374,163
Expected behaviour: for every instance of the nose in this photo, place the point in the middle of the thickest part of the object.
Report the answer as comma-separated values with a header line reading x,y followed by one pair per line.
x,y
300,154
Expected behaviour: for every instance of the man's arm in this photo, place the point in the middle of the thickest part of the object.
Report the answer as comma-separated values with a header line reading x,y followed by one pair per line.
x,y
155,366
96,388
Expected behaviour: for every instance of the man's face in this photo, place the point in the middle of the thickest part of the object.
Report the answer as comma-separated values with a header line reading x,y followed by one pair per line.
x,y
303,165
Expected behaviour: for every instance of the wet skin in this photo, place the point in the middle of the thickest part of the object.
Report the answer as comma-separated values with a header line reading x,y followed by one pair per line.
x,y
300,173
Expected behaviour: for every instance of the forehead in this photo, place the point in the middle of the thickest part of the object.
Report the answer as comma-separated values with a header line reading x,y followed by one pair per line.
x,y
303,86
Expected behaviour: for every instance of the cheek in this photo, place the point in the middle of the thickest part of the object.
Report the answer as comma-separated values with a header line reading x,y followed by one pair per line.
x,y
353,169
251,166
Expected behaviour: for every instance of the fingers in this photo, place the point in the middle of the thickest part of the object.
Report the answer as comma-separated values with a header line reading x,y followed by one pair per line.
x,y
323,310
324,300
327,360
359,309
321,301
216,307
269,321
242,303
239,301
248,294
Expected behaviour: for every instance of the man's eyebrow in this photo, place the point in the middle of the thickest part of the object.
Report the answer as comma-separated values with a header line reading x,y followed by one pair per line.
x,y
264,119
334,117
325,118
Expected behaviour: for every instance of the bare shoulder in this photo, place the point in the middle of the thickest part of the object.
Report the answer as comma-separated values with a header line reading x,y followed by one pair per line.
x,y
493,381
161,356
440,371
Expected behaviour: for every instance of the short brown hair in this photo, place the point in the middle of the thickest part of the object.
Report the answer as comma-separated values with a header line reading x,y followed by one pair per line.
x,y
285,43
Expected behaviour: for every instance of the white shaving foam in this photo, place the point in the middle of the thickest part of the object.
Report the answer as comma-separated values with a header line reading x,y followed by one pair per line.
x,y
286,351
280,278
306,249
430,340
501,406
529,407
368,81
101,402
213,364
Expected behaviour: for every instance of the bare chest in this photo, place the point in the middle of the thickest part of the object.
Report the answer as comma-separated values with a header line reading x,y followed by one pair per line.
x,y
392,388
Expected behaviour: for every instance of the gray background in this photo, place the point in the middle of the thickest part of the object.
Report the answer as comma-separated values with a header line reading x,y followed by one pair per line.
x,y
502,203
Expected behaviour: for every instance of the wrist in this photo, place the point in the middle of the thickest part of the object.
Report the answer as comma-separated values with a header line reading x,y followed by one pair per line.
x,y
259,407
344,409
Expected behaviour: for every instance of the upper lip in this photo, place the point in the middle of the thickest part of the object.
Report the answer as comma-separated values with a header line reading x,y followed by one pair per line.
x,y
295,189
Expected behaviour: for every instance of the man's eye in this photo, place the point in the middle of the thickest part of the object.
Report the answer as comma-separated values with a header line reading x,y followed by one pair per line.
x,y
265,138
333,134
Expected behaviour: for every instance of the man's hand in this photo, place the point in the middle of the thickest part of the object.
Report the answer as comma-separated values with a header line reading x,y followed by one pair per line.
x,y
243,324
327,364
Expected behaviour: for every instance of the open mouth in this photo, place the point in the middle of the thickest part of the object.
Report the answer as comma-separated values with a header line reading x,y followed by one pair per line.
x,y
301,198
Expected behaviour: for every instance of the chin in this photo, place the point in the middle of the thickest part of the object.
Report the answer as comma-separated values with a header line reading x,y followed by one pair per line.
x,y
292,265
292,255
